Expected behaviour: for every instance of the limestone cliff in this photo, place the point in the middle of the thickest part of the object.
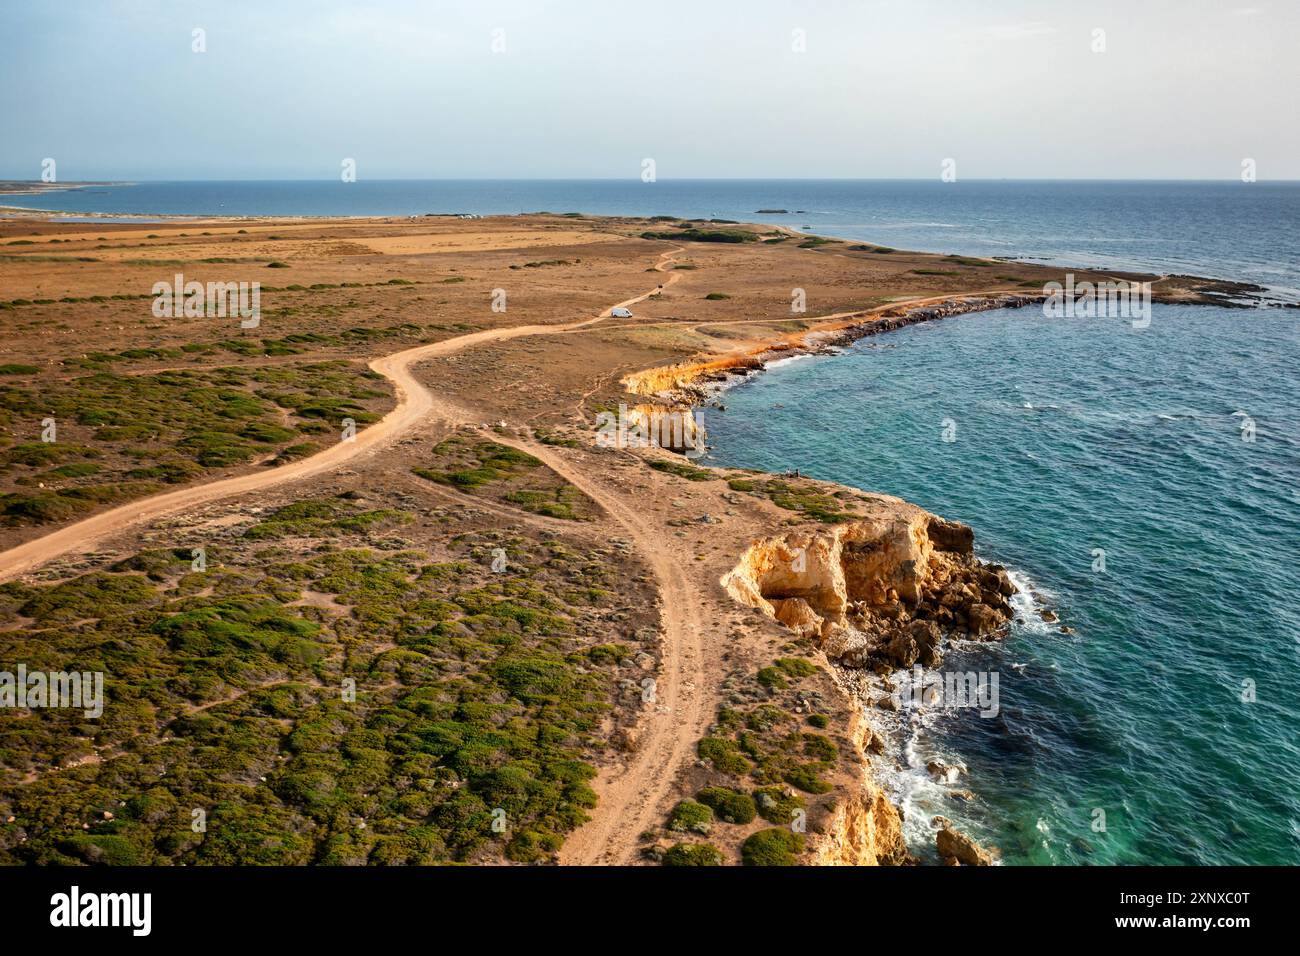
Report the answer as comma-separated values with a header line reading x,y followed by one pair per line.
x,y
878,590
865,829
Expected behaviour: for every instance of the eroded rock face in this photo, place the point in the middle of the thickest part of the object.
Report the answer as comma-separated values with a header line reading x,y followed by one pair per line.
x,y
866,829
796,614
674,427
876,592
956,847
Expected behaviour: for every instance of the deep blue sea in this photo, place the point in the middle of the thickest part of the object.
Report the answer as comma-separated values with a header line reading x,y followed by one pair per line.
x,y
1230,230
1071,436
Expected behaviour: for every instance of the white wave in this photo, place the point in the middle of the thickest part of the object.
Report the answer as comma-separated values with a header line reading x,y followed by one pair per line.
x,y
1026,604
788,360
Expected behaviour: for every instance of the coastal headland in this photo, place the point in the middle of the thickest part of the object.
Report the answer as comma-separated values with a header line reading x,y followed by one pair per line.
x,y
366,588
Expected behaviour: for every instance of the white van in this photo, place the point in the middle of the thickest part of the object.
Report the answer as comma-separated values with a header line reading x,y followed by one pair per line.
x,y
619,312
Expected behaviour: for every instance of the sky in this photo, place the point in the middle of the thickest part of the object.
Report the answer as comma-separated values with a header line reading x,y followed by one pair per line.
x,y
1180,89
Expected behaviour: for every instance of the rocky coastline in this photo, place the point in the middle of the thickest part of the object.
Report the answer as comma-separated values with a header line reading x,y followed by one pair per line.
x,y
697,383
875,594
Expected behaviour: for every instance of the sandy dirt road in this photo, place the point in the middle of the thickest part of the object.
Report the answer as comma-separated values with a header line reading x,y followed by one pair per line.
x,y
415,404
631,797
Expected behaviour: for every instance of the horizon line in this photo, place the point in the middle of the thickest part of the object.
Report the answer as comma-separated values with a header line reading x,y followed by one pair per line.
x,y
635,179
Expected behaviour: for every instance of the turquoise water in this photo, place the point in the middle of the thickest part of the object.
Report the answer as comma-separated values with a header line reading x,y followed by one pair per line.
x,y
1073,435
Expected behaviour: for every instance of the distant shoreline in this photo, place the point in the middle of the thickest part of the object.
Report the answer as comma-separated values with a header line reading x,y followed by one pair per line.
x,y
22,187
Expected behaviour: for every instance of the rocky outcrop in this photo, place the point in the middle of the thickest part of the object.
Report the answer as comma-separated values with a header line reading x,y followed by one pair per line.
x,y
956,847
673,427
796,614
865,829
877,591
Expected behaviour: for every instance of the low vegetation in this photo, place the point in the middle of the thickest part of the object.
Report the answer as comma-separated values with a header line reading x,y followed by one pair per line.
x,y
776,846
767,765
506,474
683,470
804,498
704,235
340,703
116,437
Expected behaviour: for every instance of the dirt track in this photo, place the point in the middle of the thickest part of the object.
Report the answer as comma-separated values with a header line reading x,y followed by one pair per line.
x,y
415,404
630,798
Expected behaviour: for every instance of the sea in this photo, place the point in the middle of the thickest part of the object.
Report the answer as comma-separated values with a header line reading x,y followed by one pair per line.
x,y
1142,484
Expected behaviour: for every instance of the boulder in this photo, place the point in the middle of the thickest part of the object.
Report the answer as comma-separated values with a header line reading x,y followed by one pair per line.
x,y
951,536
982,619
927,636
954,845
1005,587
942,772
902,650
796,614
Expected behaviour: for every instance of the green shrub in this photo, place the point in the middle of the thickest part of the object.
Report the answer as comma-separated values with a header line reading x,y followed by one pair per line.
x,y
77,469
704,235
108,849
681,470
776,846
730,806
723,755
776,805
806,779
689,816
797,666
608,654
693,854
820,748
